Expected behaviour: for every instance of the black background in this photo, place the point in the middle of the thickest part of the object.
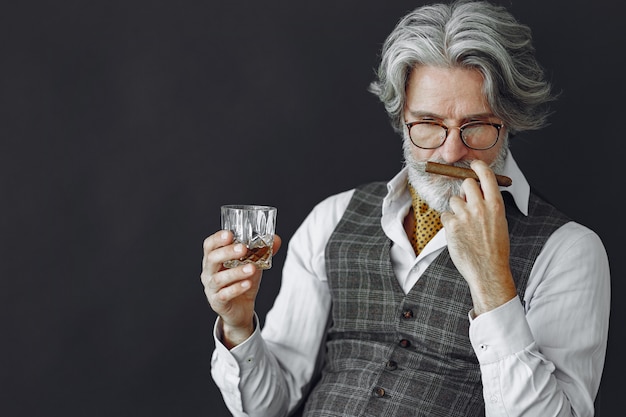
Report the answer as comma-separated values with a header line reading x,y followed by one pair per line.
x,y
125,125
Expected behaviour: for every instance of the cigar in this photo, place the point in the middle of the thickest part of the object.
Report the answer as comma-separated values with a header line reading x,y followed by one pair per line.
x,y
458,172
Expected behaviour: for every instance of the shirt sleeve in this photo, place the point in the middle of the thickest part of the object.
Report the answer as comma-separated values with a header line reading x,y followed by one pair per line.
x,y
544,357
269,373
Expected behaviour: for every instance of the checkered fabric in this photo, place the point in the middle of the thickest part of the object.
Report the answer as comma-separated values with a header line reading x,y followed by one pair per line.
x,y
391,354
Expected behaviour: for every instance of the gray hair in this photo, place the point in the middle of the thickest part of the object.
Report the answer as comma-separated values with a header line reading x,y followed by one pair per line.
x,y
467,34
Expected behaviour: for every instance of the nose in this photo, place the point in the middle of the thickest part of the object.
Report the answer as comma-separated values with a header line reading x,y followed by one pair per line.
x,y
453,149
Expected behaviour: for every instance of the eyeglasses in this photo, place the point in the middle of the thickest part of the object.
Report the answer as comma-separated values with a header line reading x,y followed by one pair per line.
x,y
475,135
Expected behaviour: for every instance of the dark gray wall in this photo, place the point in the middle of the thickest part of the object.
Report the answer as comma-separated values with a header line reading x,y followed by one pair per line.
x,y
125,124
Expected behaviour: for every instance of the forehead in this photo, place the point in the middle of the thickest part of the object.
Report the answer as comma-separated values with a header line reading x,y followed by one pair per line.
x,y
450,93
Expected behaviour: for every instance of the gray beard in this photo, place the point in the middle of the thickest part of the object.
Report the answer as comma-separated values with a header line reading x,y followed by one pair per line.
x,y
435,189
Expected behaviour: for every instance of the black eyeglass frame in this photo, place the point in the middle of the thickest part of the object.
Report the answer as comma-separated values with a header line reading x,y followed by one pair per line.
x,y
498,127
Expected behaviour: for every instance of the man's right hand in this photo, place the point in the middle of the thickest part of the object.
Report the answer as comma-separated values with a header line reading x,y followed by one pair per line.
x,y
231,292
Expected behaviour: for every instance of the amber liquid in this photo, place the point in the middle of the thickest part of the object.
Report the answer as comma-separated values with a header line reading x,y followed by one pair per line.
x,y
259,255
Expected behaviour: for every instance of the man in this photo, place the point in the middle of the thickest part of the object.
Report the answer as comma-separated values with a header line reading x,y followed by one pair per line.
x,y
428,295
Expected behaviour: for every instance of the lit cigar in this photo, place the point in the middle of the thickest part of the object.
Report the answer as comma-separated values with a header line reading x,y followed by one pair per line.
x,y
458,172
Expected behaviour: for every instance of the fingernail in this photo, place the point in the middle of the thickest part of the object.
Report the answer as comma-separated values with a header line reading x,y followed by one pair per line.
x,y
248,269
224,235
239,248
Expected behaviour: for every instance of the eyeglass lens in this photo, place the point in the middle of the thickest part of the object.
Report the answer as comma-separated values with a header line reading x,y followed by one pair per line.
x,y
430,135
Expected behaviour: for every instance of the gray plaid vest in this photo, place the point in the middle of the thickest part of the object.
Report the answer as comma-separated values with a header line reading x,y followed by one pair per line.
x,y
391,354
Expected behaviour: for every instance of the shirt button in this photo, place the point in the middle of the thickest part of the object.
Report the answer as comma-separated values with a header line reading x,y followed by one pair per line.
x,y
404,343
482,346
407,314
379,392
392,365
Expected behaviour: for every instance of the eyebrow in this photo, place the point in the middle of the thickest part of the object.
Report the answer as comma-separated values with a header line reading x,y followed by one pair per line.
x,y
421,114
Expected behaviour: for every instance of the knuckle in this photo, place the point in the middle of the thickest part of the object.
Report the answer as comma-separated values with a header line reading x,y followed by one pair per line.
x,y
212,260
215,280
224,295
205,278
211,298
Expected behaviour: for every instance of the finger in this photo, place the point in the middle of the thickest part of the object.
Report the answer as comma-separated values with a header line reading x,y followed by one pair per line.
x,y
462,193
487,177
451,219
217,240
278,242
445,217
215,282
213,261
228,293
471,190
457,204
245,283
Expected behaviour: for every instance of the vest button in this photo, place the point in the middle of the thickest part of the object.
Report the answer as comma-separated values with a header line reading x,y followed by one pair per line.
x,y
379,392
392,365
407,314
404,343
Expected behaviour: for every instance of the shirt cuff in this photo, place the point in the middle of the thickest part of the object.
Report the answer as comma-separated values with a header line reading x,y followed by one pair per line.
x,y
500,333
241,357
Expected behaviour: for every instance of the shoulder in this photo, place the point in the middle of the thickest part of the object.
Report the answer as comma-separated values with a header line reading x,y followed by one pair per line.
x,y
306,247
331,209
322,219
575,235
575,253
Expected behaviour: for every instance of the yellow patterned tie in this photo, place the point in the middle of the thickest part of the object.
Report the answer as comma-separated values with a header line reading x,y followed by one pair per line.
x,y
427,222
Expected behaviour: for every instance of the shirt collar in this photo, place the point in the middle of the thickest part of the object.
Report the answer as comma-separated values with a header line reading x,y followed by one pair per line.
x,y
520,189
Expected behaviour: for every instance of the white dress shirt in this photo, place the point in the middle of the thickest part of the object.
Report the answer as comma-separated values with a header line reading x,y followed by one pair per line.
x,y
542,357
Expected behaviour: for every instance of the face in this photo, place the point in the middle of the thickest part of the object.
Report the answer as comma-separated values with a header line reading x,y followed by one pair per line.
x,y
452,96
